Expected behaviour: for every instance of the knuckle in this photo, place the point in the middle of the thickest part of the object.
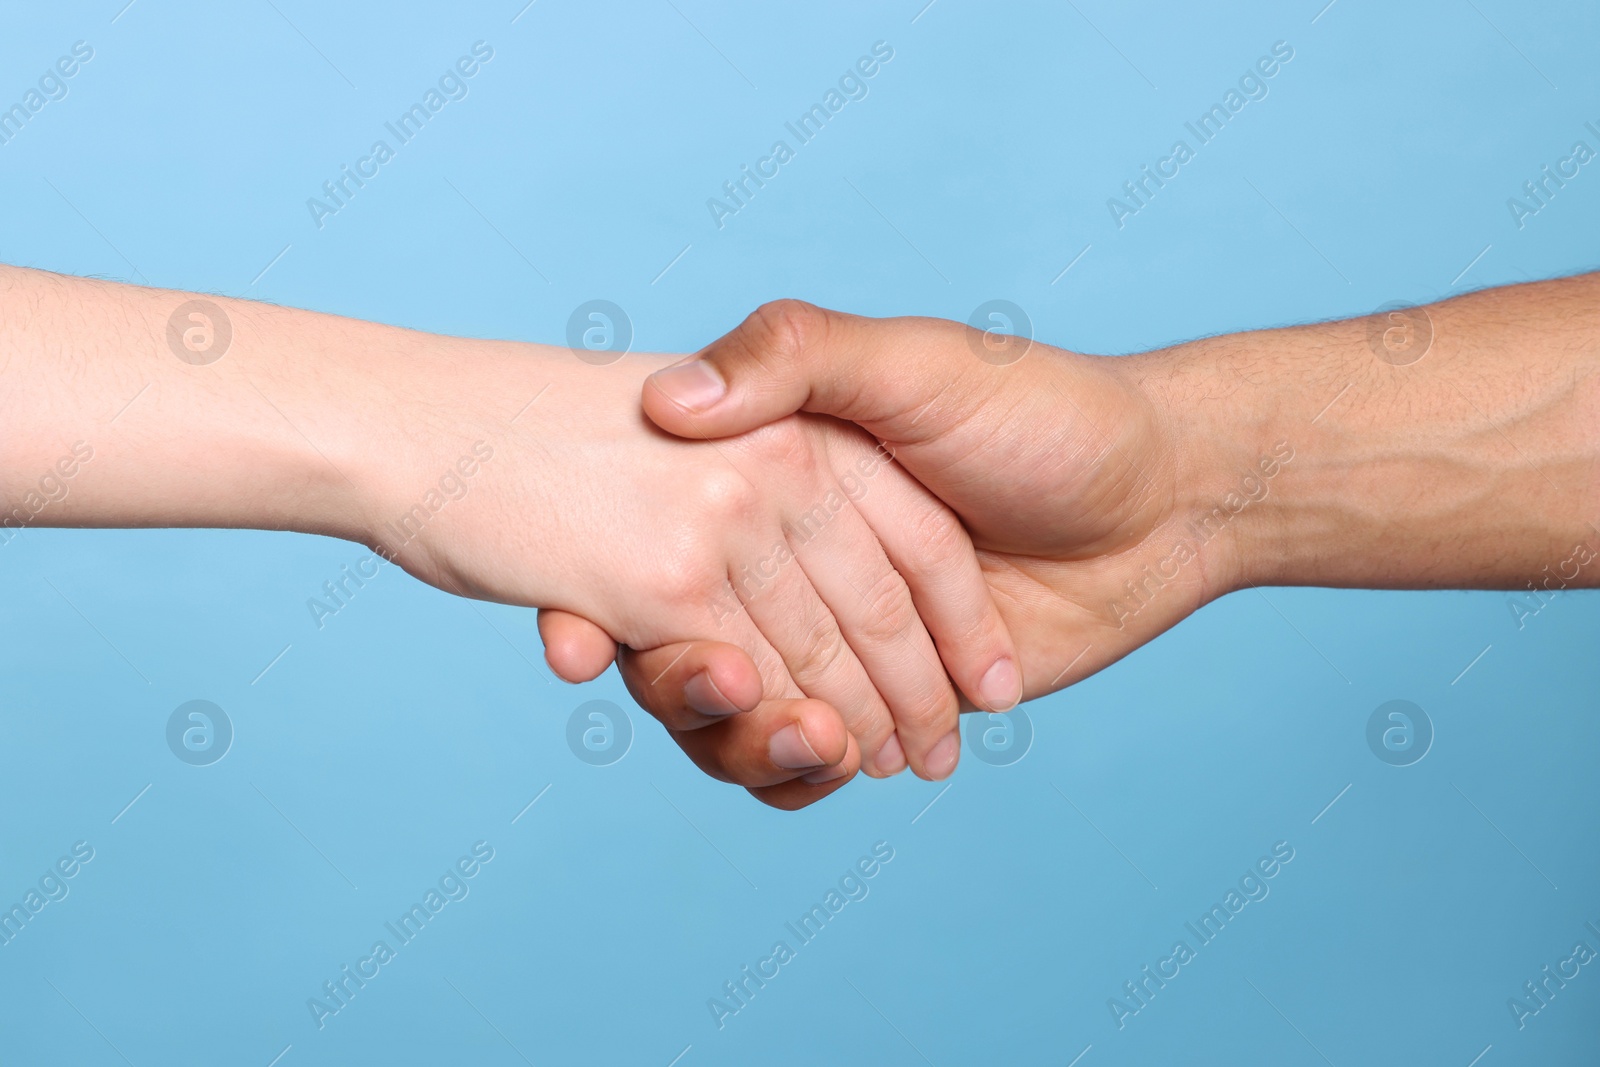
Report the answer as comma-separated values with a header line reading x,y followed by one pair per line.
x,y
931,711
820,654
891,615
890,612
943,559
872,732
784,330
938,540
671,712
682,578
641,674
942,333
776,678
723,498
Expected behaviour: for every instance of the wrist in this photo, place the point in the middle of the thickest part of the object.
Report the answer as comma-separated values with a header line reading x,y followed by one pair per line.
x,y
1451,446
307,420
1230,432
436,420
325,425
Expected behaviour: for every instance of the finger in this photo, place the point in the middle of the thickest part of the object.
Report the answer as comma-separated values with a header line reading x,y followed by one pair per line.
x,y
576,649
657,678
933,553
783,604
872,603
798,793
780,741
791,356
692,684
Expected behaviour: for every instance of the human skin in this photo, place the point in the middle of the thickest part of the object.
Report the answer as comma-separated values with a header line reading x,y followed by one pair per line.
x,y
1452,446
520,474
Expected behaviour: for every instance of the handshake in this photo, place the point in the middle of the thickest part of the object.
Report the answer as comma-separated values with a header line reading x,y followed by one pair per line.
x,y
813,544
919,519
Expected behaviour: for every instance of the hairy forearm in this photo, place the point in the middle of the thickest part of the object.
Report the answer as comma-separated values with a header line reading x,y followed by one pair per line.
x,y
1456,445
128,406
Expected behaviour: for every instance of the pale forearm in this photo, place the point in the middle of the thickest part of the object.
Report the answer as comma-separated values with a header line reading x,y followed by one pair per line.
x,y
1476,465
237,414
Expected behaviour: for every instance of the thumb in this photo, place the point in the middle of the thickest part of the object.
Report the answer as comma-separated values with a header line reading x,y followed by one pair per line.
x,y
576,649
792,356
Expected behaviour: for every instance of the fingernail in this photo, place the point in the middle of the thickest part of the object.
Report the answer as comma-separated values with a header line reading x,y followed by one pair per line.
x,y
789,750
891,757
695,385
1001,687
942,757
703,696
827,774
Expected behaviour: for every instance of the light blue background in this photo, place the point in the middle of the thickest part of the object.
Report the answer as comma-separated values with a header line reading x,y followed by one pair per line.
x,y
375,752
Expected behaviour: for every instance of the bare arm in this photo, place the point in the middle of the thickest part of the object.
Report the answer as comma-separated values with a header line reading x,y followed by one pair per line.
x,y
521,474
221,427
1456,445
